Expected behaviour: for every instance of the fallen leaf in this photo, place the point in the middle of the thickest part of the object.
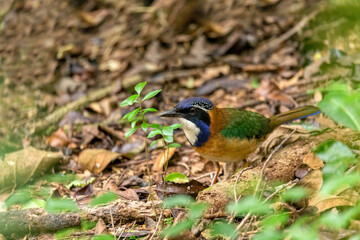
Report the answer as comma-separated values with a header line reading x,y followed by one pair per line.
x,y
325,203
58,139
162,158
313,161
100,227
96,160
312,181
18,167
124,192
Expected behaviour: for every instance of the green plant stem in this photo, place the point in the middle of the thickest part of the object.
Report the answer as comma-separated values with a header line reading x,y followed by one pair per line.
x,y
146,147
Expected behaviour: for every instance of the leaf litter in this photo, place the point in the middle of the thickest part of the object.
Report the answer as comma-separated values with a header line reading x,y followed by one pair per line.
x,y
186,49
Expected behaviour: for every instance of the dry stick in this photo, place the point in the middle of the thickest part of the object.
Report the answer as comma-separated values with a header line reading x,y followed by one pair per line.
x,y
290,183
157,225
235,192
261,176
112,223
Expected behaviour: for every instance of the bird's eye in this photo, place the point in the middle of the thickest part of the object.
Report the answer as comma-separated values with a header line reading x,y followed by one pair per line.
x,y
192,110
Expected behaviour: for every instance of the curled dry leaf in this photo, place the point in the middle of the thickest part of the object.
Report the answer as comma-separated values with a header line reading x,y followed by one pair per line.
x,y
313,161
162,158
18,167
58,139
96,160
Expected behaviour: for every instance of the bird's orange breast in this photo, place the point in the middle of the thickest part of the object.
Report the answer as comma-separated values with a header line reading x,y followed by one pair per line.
x,y
221,149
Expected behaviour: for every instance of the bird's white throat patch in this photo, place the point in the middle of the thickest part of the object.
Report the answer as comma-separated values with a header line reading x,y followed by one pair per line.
x,y
190,129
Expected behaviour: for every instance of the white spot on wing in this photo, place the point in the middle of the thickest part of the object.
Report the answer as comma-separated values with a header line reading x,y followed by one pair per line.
x,y
190,129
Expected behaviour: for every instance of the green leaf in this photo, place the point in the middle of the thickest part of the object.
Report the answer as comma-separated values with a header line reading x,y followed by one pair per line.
x,y
130,100
168,139
332,151
133,123
176,177
343,107
103,237
247,204
334,183
197,210
149,110
154,133
295,194
275,221
168,131
131,131
54,205
153,143
223,229
20,196
156,126
269,234
80,182
34,203
139,87
174,145
144,126
104,198
126,116
151,94
64,233
337,156
87,225
178,201
133,114
176,126
177,229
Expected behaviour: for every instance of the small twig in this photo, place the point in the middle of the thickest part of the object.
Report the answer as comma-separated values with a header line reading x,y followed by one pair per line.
x,y
237,180
157,225
235,192
261,177
290,183
204,175
112,223
268,159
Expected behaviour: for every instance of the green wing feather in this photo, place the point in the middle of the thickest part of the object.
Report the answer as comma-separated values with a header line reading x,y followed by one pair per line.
x,y
245,124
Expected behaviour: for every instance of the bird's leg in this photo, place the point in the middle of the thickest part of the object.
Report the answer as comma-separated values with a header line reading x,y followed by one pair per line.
x,y
217,165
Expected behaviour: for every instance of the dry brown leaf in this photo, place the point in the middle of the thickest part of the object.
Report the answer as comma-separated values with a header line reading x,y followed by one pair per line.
x,y
18,167
93,18
127,193
313,161
325,203
58,139
96,160
312,181
162,158
100,227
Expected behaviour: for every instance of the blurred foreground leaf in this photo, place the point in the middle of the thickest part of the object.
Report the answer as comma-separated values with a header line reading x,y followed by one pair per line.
x,y
342,106
19,167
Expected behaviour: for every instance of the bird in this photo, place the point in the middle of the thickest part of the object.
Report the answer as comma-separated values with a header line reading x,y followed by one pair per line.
x,y
228,134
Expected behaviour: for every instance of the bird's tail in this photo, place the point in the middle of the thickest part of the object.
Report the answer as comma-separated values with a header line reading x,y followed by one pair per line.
x,y
297,113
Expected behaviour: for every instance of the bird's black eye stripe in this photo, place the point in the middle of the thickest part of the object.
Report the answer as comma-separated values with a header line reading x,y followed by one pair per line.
x,y
192,110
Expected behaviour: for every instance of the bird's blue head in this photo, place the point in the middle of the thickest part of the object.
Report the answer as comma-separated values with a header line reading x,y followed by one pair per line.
x,y
193,113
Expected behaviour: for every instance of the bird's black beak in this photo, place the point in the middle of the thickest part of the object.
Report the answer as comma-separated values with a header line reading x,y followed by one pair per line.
x,y
173,113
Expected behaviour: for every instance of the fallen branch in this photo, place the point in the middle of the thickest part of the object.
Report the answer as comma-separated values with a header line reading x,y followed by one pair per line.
x,y
34,221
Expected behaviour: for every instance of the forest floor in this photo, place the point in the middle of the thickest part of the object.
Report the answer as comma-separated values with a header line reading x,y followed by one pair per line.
x,y
66,66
